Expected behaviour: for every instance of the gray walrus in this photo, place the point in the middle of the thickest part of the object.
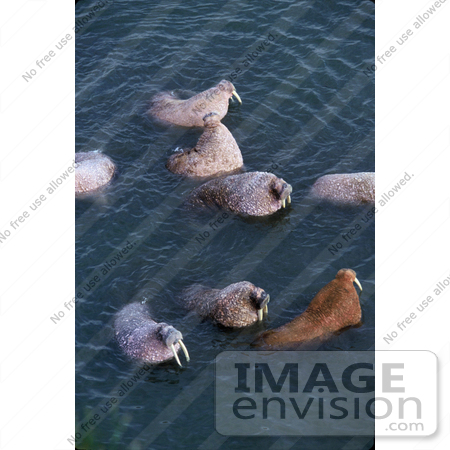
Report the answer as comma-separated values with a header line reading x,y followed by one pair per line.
x,y
334,307
190,112
215,152
92,171
238,305
252,193
141,338
347,189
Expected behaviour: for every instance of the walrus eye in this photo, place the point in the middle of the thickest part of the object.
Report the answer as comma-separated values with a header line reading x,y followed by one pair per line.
x,y
171,336
262,302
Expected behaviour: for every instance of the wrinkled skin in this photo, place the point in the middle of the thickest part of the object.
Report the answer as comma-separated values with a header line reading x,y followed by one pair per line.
x,y
189,113
140,337
336,306
252,194
215,152
346,189
92,171
234,306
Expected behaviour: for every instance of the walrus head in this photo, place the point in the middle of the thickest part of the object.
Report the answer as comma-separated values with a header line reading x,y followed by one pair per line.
x,y
281,191
171,336
261,298
349,274
226,86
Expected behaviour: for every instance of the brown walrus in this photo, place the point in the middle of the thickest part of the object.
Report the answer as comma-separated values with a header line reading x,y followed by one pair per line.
x,y
334,307
92,171
141,338
189,113
216,151
238,305
347,189
252,193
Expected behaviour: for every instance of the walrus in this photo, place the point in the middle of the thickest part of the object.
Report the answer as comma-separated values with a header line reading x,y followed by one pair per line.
x,y
216,151
238,305
335,306
141,338
189,113
252,194
92,171
346,189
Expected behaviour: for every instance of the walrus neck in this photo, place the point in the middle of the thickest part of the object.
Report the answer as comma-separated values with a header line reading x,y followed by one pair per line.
x,y
212,125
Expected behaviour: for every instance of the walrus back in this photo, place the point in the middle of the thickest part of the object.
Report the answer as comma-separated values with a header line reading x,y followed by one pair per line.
x,y
199,298
247,194
93,170
190,112
350,189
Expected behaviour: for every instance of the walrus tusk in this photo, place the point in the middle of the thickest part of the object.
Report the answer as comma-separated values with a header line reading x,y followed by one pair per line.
x,y
260,315
358,283
172,347
183,347
266,309
289,199
237,96
283,203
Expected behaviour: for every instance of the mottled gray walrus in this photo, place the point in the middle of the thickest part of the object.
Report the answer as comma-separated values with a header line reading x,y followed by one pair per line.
x,y
92,171
141,338
189,113
238,305
346,189
335,306
252,193
215,152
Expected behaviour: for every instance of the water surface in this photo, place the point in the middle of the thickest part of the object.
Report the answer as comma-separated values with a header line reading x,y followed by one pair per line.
x,y
307,110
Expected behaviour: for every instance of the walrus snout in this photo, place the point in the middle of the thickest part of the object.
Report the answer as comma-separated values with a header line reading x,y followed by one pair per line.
x,y
261,298
351,275
228,87
283,191
171,336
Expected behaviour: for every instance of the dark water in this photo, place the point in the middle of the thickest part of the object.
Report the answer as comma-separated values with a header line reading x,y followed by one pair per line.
x,y
307,110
